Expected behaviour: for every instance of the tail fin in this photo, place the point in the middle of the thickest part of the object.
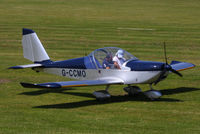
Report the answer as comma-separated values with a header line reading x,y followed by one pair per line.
x,y
32,47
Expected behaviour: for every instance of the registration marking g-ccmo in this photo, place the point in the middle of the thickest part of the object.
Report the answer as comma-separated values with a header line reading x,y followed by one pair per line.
x,y
73,72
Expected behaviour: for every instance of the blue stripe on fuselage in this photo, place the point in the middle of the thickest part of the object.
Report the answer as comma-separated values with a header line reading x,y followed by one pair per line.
x,y
77,63
138,65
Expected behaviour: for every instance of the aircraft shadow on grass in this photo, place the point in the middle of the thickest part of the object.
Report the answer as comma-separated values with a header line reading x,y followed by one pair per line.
x,y
113,99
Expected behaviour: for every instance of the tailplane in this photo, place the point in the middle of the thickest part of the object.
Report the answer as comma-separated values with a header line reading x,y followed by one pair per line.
x,y
32,47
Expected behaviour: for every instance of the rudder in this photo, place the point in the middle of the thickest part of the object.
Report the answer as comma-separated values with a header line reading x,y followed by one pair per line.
x,y
32,47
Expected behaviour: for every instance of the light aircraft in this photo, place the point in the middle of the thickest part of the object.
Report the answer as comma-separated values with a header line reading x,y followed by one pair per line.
x,y
90,71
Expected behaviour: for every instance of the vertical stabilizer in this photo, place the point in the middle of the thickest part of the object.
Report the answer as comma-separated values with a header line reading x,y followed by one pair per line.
x,y
32,47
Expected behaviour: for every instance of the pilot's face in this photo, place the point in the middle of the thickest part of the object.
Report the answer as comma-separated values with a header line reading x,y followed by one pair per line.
x,y
109,58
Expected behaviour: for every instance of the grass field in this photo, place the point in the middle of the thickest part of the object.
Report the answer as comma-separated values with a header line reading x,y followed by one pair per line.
x,y
74,28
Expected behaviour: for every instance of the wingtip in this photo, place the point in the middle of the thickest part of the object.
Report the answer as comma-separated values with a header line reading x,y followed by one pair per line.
x,y
15,67
43,85
28,85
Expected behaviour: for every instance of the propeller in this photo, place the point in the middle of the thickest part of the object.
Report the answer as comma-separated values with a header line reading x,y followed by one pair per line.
x,y
166,67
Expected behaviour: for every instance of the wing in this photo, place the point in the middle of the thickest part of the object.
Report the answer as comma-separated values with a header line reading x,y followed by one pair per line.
x,y
66,84
179,66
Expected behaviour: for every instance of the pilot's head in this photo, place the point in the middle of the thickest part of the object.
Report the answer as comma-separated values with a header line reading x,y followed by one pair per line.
x,y
109,57
120,54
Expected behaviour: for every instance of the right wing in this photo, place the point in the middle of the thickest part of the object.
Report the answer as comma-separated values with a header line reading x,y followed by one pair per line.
x,y
66,84
180,66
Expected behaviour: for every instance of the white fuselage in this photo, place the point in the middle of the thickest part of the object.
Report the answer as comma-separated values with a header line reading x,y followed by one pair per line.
x,y
128,77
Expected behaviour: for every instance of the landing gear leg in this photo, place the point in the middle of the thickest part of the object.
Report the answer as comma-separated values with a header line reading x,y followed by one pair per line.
x,y
151,88
107,86
102,94
152,94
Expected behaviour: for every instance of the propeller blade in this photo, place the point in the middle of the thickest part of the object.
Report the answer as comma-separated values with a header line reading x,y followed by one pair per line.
x,y
166,67
176,72
165,53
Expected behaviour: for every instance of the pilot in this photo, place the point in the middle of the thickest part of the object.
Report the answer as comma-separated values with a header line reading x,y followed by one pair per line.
x,y
119,59
107,62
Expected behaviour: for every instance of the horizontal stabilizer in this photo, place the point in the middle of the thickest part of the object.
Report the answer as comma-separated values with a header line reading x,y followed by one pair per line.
x,y
179,66
66,84
25,66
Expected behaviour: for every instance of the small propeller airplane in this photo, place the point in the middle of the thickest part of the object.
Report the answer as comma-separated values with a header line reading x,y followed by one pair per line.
x,y
93,70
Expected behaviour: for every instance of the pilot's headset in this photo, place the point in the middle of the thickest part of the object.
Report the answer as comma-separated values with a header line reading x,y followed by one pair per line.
x,y
120,53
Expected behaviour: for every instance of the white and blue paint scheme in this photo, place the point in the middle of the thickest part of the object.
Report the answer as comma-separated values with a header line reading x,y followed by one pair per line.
x,y
89,71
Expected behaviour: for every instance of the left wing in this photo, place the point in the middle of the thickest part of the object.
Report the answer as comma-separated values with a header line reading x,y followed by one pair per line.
x,y
66,84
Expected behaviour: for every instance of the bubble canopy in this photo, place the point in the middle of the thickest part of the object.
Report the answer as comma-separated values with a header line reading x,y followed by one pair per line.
x,y
100,54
